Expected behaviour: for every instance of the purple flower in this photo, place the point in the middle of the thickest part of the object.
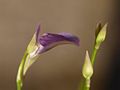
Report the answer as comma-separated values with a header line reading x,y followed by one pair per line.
x,y
42,43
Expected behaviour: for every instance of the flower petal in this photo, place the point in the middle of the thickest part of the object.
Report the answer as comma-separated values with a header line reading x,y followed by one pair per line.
x,y
71,38
37,33
49,40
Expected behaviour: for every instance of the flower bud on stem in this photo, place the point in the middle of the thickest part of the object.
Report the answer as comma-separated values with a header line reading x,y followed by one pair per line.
x,y
100,36
87,72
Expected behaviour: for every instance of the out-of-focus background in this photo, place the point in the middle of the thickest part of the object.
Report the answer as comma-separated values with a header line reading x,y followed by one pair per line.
x,y
60,68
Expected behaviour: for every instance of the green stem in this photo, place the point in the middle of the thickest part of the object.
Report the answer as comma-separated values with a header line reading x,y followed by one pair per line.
x,y
87,85
94,55
19,79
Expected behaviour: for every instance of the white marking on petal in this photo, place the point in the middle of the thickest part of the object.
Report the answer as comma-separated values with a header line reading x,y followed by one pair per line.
x,y
41,48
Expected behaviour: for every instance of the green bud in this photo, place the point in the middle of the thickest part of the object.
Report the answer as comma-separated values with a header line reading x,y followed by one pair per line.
x,y
101,35
87,70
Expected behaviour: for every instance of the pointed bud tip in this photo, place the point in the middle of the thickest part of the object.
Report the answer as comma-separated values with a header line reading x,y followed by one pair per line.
x,y
87,67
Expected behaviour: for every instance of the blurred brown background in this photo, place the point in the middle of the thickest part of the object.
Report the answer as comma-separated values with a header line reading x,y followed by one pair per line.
x,y
60,68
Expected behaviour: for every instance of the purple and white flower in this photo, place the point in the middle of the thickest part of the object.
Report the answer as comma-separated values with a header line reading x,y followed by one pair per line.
x,y
42,43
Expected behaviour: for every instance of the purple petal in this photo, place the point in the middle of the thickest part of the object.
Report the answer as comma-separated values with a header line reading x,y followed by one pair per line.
x,y
49,40
37,33
71,38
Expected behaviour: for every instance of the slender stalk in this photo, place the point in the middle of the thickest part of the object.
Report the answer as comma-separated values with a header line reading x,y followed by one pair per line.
x,y
87,85
19,79
94,53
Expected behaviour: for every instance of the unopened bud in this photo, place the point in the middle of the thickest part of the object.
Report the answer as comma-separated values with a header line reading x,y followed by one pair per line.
x,y
101,36
87,70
